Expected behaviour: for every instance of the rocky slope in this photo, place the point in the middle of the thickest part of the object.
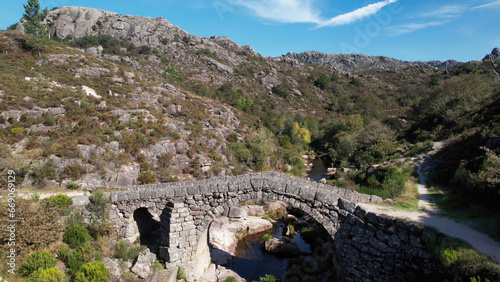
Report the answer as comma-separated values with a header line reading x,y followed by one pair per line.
x,y
74,118
359,62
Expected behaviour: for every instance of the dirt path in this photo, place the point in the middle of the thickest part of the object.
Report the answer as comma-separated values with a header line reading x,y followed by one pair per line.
x,y
428,214
44,195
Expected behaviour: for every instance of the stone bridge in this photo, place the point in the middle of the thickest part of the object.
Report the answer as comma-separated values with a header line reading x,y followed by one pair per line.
x,y
368,246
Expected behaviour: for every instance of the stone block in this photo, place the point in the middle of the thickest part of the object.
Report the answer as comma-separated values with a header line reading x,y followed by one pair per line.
x,y
308,191
346,205
133,195
145,194
193,189
121,196
180,191
175,205
292,187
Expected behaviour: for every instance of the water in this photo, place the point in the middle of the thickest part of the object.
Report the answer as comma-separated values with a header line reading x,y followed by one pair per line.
x,y
319,170
252,261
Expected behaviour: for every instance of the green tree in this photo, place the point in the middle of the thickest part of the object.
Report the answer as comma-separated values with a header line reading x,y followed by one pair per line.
x,y
37,32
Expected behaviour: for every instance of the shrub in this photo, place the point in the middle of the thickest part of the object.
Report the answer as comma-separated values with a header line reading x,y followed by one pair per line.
x,y
92,272
147,177
125,251
63,254
144,49
281,91
241,152
76,236
172,75
73,171
181,274
448,256
77,258
57,201
101,204
322,82
38,260
49,120
232,137
267,236
164,160
298,167
356,81
41,173
73,186
269,278
46,275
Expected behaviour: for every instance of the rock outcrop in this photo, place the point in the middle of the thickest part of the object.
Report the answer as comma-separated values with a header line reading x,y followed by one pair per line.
x,y
494,56
357,62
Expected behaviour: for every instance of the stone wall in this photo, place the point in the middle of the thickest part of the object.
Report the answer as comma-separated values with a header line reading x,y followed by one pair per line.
x,y
368,246
381,248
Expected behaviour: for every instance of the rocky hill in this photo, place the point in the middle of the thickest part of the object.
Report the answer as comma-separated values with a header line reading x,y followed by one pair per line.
x,y
165,104
359,62
72,117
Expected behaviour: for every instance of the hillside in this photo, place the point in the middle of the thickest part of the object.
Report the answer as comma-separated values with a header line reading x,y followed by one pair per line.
x,y
117,100
224,109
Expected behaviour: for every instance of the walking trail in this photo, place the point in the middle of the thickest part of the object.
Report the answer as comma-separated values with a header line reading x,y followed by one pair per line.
x,y
428,214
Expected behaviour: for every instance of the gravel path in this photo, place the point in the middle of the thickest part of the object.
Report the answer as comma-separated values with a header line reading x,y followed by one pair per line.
x,y
428,214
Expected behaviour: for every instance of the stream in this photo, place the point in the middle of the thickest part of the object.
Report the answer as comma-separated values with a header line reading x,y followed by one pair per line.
x,y
318,170
252,261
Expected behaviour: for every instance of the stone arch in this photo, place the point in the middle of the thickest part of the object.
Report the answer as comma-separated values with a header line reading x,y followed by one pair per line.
x,y
327,221
148,226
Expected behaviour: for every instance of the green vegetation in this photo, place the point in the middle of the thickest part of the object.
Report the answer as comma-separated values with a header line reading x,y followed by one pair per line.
x,y
57,201
38,260
269,278
38,34
172,75
458,258
46,275
147,177
126,251
76,236
92,272
266,237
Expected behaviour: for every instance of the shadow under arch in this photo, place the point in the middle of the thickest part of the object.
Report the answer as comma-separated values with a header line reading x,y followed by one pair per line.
x,y
149,228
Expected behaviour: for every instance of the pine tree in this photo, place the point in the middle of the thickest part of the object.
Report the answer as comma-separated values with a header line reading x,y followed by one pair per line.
x,y
37,32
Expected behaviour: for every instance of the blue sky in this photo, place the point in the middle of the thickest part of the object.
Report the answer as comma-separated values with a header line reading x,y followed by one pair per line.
x,y
403,29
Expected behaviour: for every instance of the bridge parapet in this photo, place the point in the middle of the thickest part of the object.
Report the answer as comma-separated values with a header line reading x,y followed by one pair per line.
x,y
277,182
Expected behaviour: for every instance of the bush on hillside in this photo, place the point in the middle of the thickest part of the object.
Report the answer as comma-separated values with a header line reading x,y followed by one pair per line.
x,y
38,260
57,201
92,272
76,236
46,275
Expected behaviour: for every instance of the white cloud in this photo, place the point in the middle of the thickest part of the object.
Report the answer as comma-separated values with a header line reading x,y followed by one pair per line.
x,y
408,28
487,5
449,11
302,11
357,15
284,11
